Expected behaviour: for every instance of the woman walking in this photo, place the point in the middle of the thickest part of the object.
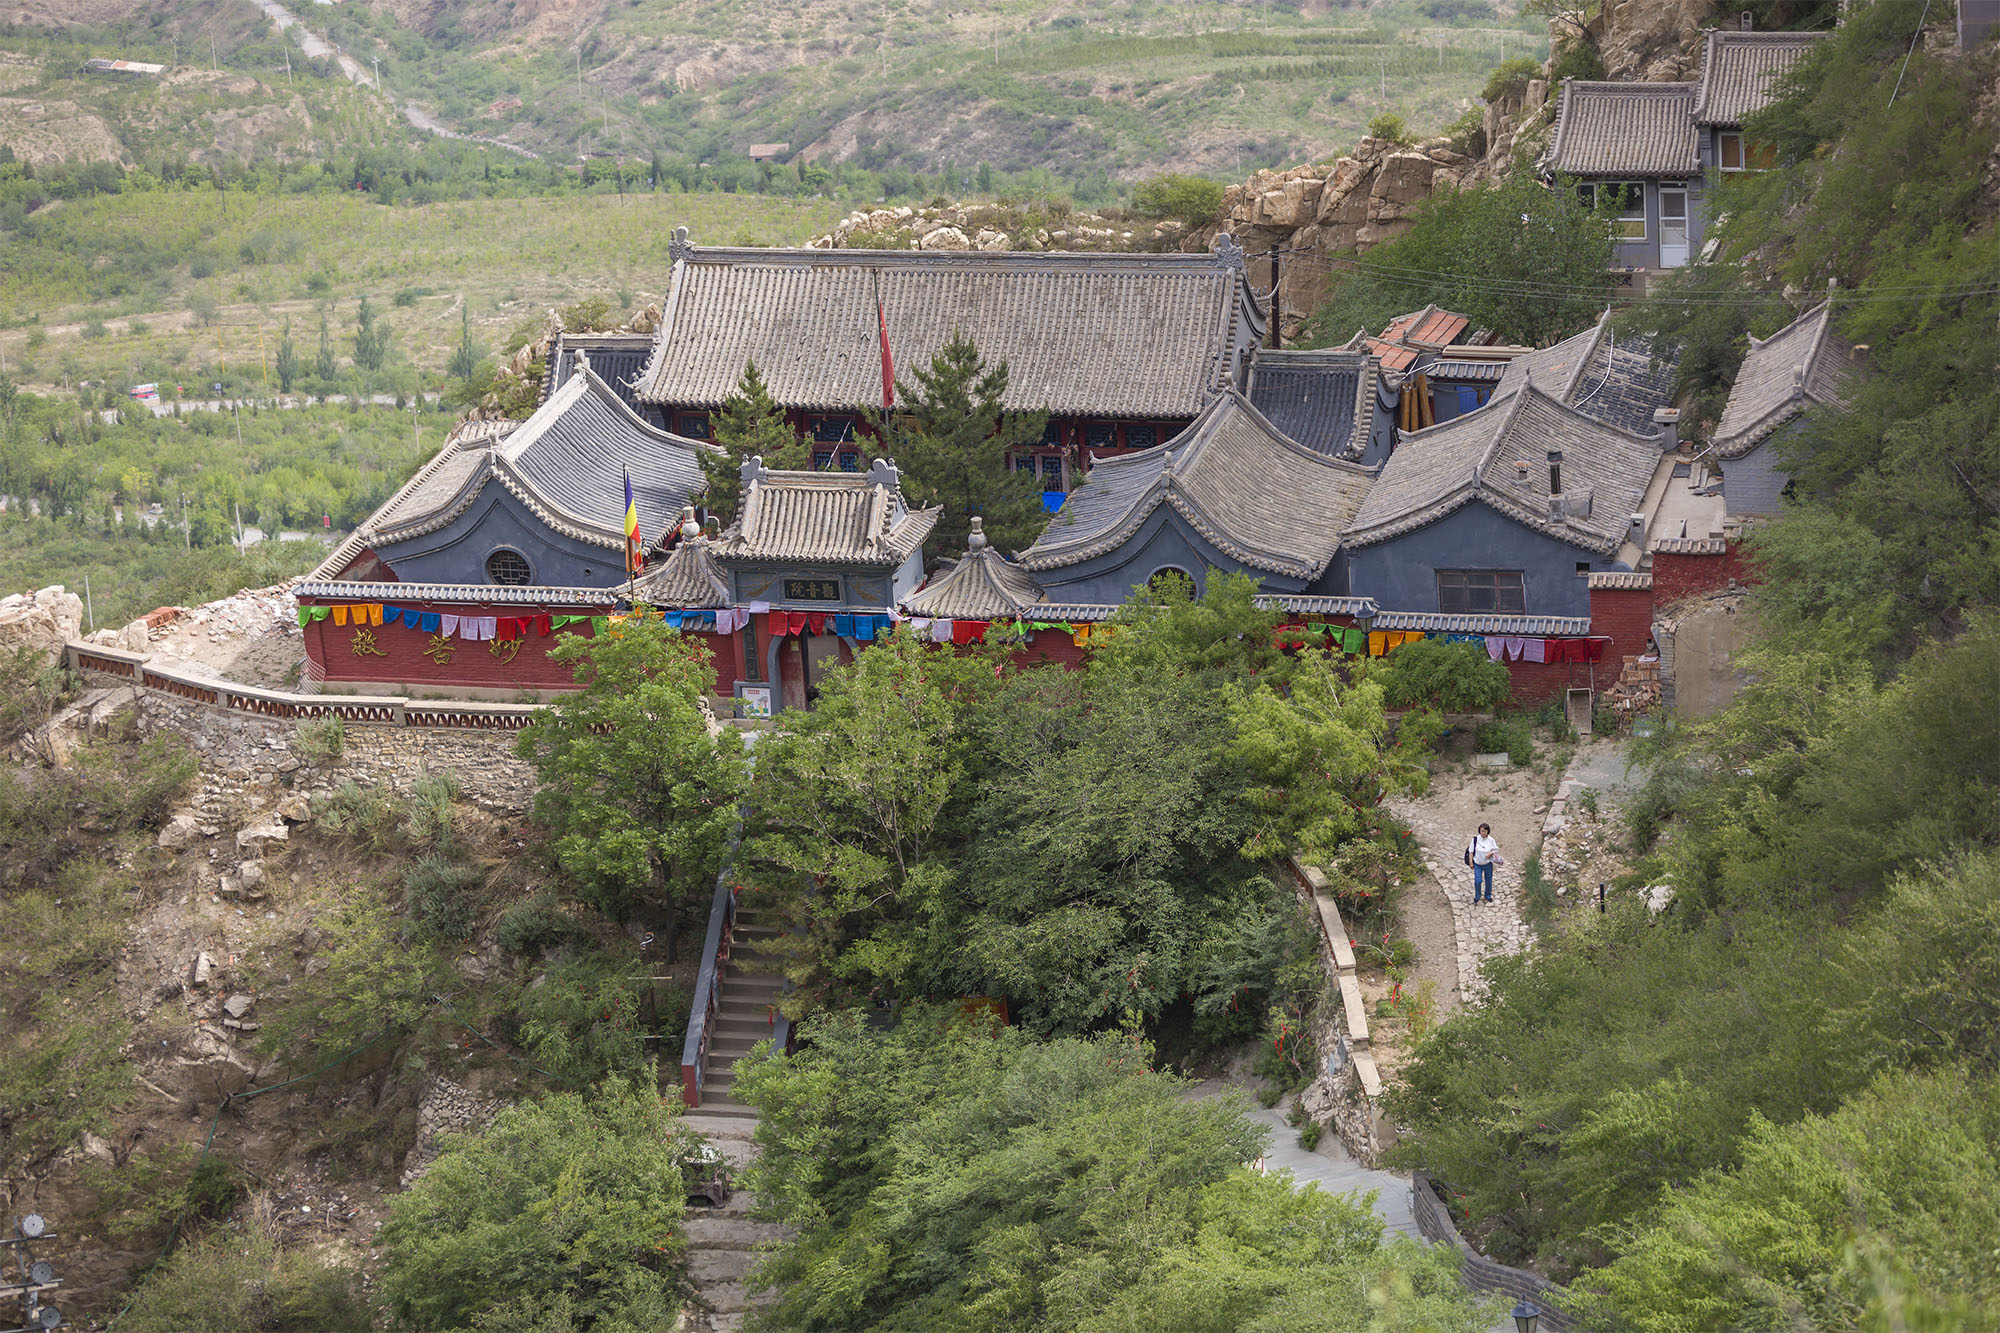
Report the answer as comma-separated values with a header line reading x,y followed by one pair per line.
x,y
1482,854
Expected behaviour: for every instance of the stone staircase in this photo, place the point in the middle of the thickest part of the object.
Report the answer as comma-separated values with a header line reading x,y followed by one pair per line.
x,y
723,1241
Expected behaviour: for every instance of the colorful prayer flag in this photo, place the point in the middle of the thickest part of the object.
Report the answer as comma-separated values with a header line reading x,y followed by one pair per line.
x,y
635,558
888,365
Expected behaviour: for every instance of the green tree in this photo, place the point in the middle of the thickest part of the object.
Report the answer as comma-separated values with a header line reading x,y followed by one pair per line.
x,y
952,440
960,1176
371,340
1832,1223
287,360
750,425
572,1198
1449,677
1529,262
1190,199
465,356
324,366
637,795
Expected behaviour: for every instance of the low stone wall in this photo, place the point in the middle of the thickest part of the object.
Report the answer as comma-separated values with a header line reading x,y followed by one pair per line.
x,y
1478,1272
1347,1099
249,739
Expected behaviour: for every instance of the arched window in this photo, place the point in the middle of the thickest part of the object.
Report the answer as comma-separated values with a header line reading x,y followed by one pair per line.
x,y
1169,576
509,567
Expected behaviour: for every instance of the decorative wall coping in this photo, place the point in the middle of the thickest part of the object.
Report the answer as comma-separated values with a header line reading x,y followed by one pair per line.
x,y
385,710
1333,934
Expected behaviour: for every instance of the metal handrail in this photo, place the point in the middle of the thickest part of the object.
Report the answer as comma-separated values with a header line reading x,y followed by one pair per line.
x,y
708,983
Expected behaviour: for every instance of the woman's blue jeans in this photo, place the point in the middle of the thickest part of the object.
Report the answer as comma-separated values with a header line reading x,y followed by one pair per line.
x,y
1482,878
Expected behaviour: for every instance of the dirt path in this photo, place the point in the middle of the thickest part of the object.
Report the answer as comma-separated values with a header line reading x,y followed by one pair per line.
x,y
1462,797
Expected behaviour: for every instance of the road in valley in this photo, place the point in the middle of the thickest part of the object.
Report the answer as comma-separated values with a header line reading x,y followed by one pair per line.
x,y
318,48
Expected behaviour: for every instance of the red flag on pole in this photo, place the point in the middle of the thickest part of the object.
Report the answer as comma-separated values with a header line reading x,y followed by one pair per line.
x,y
888,366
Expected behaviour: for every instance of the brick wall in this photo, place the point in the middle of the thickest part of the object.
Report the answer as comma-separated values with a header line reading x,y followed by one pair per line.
x,y
399,656
1677,575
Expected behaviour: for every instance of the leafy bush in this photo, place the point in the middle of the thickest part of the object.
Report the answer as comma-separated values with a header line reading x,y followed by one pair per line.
x,y
368,815
1390,126
1579,60
1510,79
320,740
1434,673
373,983
1467,134
582,1020
1512,733
242,1281
573,1194
1309,1134
437,897
1190,199
140,1198
1538,896
534,924
431,822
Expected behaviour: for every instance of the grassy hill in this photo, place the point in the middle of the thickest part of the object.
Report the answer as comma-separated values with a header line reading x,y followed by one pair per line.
x,y
1091,95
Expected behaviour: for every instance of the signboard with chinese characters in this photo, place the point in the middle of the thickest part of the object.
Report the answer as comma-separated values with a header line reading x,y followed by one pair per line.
x,y
812,590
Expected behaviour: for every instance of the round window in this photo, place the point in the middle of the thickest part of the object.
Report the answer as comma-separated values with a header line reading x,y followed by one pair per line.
x,y
1168,577
509,567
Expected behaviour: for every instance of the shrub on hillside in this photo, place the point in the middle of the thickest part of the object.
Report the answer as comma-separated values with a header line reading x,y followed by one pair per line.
x,y
578,1196
241,1281
1190,199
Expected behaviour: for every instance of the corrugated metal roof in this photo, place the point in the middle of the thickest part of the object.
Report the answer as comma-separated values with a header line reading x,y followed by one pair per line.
x,y
1431,327
1145,335
1739,68
1624,129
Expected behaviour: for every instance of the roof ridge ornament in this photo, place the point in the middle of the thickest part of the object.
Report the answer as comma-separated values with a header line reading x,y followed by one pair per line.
x,y
976,542
1228,251
883,472
752,471
680,249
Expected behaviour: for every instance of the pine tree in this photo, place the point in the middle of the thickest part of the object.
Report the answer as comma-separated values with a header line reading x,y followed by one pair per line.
x,y
951,441
750,425
371,342
287,360
465,356
324,367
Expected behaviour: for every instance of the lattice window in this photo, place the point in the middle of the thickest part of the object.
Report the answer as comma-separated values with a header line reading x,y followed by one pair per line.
x,y
508,567
1141,436
1464,592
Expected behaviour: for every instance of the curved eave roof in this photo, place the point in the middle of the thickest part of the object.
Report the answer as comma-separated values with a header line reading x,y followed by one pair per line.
x,y
825,518
1803,364
985,585
1624,129
1738,70
1253,494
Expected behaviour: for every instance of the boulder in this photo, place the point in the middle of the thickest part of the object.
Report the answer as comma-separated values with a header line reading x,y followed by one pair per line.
x,y
41,622
1404,179
250,840
180,832
135,637
944,238
295,809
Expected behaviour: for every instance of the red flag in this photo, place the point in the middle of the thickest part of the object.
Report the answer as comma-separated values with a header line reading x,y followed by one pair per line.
x,y
888,366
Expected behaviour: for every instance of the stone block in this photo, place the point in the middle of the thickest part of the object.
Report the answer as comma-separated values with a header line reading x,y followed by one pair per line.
x,y
180,832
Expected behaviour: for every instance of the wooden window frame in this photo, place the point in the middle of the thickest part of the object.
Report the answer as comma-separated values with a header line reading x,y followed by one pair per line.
x,y
1496,582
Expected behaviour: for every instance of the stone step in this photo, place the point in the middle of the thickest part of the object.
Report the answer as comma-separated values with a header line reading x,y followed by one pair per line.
x,y
726,1298
718,1127
709,1267
740,1023
727,1050
718,1103
731,1235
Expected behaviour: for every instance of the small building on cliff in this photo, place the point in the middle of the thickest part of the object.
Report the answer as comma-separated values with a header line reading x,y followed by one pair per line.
x,y
1803,366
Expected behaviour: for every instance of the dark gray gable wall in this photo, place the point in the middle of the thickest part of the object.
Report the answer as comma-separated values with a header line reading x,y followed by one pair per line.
x,y
457,552
1754,483
1401,574
1163,541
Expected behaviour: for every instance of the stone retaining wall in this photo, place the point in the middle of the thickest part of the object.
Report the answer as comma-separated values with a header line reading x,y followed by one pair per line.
x,y
1346,1099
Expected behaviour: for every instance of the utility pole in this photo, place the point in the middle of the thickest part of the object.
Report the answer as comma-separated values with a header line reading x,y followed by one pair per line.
x,y
376,61
1277,330
214,66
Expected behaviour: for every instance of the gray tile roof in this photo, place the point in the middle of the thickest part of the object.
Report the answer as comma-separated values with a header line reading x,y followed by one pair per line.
x,y
1690,546
481,594
1601,373
1433,473
432,487
841,518
1322,399
686,577
1621,580
616,357
565,463
1253,494
1146,335
985,585
1738,69
1440,623
1624,129
1470,372
1803,364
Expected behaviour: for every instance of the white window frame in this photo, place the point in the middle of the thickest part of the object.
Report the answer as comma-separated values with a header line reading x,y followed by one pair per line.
x,y
1637,205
